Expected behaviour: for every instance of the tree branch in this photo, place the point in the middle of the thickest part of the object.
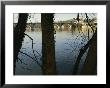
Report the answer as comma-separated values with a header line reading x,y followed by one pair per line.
x,y
21,61
88,22
31,58
82,51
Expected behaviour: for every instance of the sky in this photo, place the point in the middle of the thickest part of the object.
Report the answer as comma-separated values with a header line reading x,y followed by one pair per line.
x,y
58,17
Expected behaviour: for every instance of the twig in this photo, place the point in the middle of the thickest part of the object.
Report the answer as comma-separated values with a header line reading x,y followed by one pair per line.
x,y
88,22
32,43
30,38
38,54
26,54
33,49
21,61
31,58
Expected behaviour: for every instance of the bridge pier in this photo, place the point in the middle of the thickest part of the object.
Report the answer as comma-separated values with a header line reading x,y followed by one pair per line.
x,y
58,26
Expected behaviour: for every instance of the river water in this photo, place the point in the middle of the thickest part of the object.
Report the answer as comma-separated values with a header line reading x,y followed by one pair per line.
x,y
67,46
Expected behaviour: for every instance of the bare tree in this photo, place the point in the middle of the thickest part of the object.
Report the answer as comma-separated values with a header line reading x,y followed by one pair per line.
x,y
91,59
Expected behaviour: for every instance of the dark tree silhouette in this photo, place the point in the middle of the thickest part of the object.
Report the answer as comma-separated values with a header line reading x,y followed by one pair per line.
x,y
90,64
91,44
19,35
48,44
91,59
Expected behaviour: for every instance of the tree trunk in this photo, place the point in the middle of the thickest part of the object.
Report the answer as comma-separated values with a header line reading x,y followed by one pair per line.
x,y
19,35
91,43
90,64
48,44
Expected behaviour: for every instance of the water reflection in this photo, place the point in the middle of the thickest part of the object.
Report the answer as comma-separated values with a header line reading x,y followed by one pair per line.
x,y
67,48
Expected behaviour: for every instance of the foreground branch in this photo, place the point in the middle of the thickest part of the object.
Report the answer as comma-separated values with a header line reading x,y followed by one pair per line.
x,y
82,51
31,58
88,22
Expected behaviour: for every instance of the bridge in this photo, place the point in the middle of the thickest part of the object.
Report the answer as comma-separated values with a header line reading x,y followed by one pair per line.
x,y
57,25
